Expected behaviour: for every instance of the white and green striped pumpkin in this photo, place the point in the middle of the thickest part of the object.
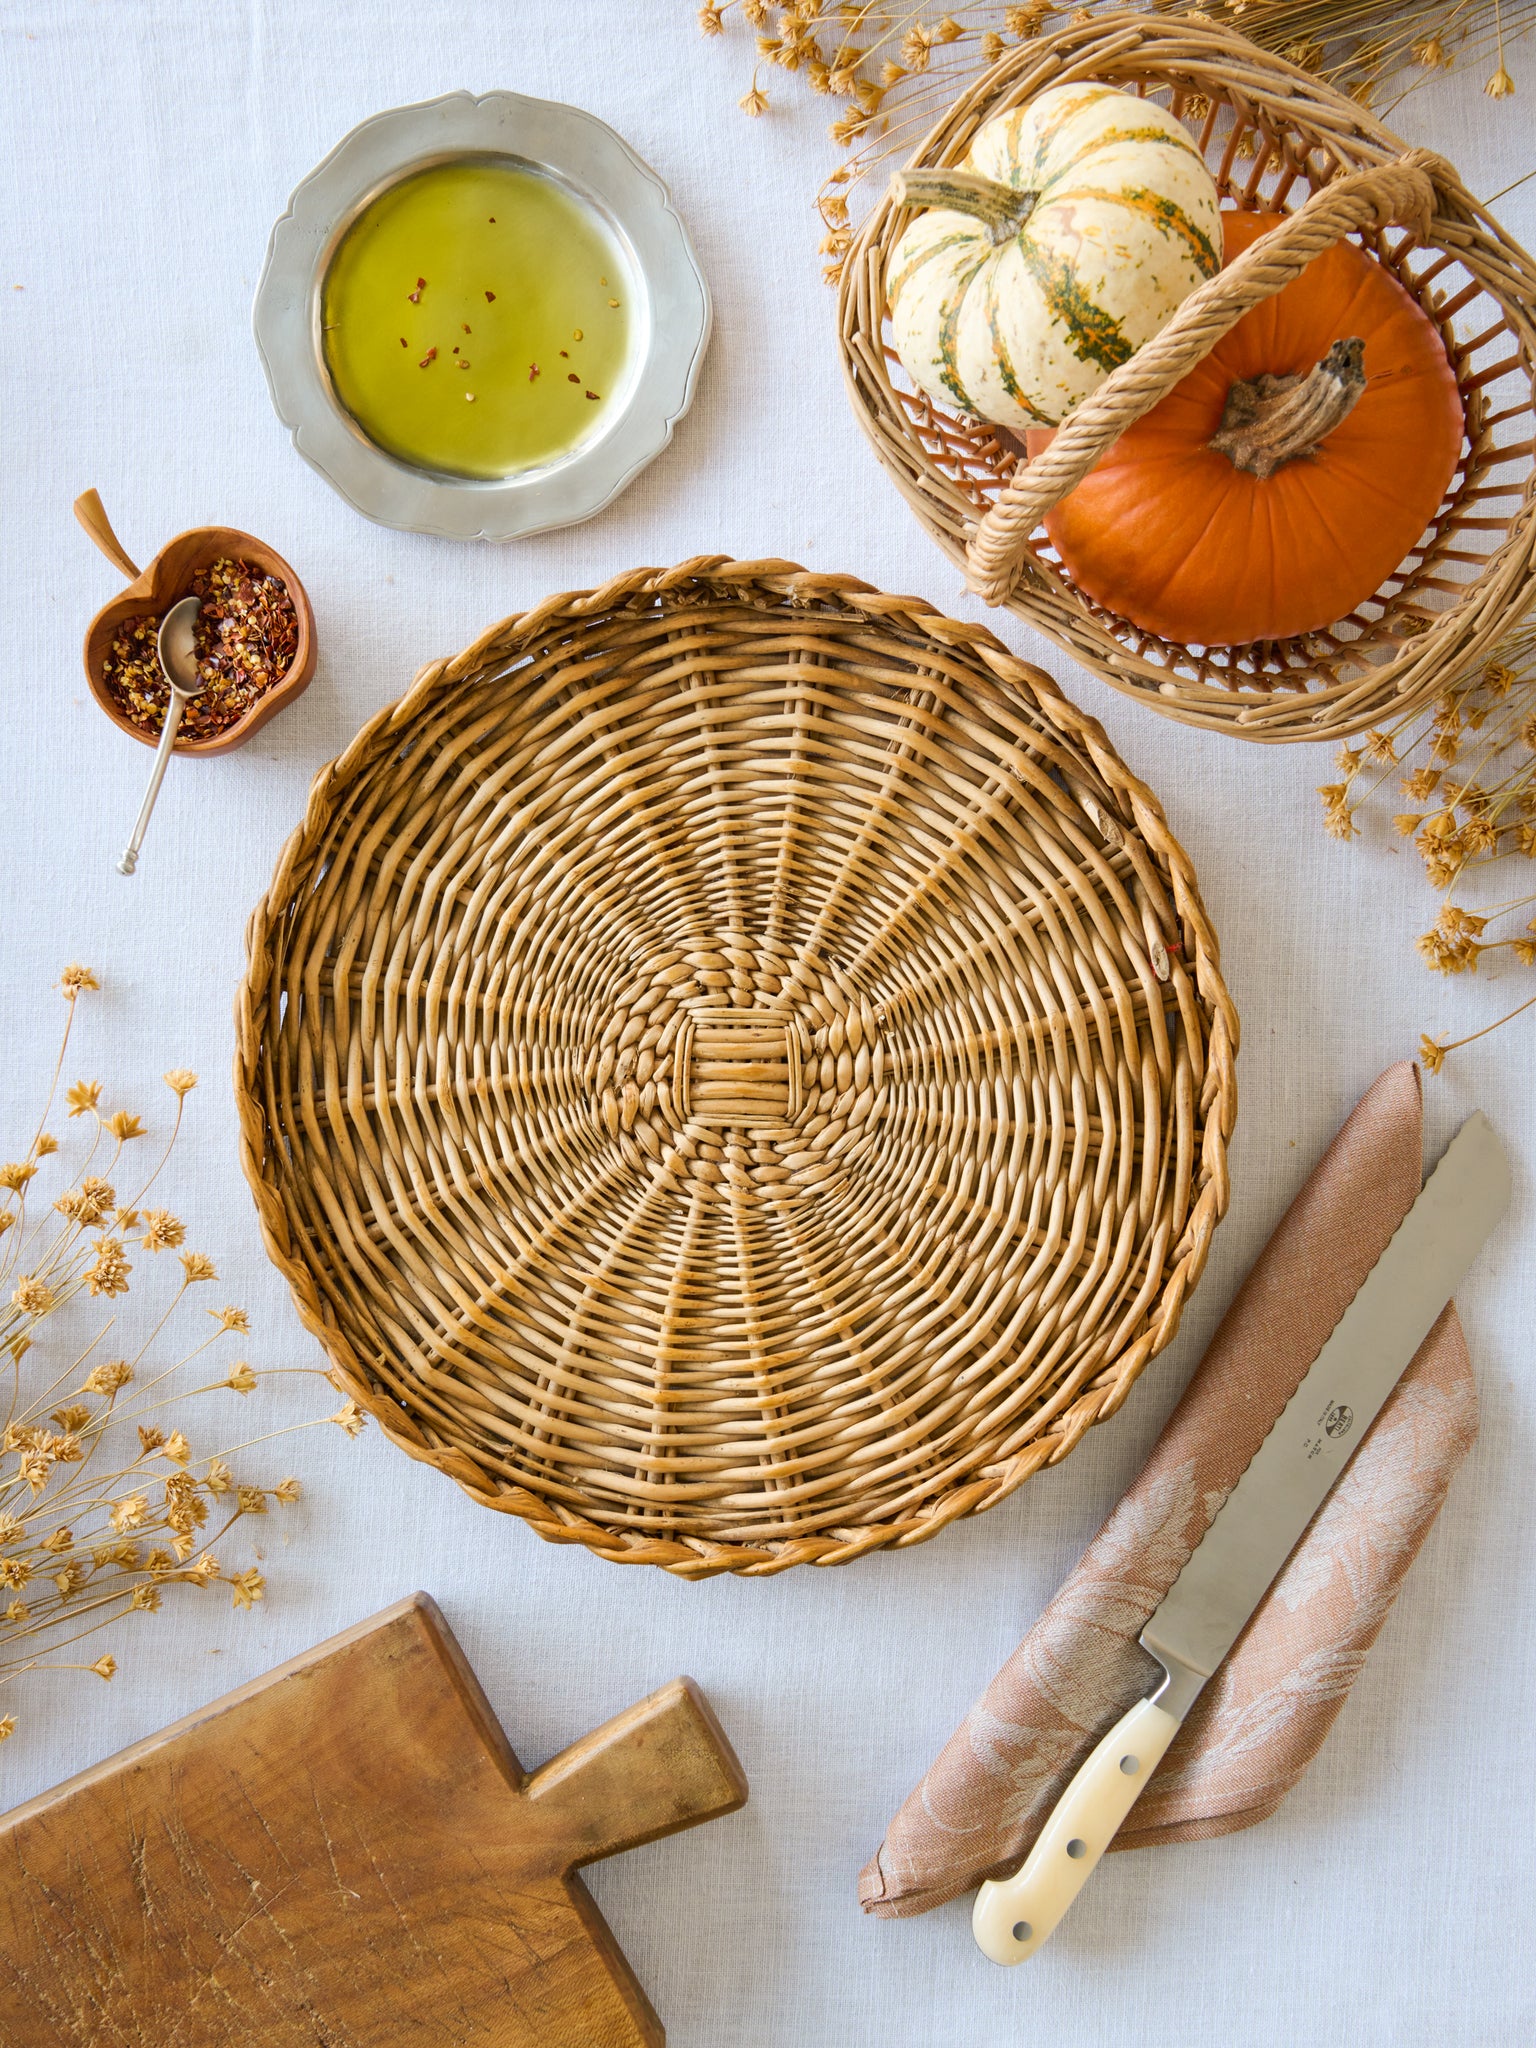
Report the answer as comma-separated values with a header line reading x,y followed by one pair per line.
x,y
1066,239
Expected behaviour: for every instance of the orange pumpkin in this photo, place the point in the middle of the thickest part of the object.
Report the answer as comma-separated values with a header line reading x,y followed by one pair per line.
x,y
1339,475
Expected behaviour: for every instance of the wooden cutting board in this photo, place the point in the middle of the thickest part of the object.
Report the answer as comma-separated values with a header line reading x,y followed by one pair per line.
x,y
346,1854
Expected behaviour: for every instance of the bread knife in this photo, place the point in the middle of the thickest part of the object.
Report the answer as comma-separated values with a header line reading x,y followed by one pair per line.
x,y
1262,1520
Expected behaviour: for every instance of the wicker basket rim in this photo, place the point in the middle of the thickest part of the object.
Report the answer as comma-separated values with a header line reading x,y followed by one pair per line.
x,y
1210,56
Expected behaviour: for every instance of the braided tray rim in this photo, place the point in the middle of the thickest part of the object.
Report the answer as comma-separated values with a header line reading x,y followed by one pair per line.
x,y
783,588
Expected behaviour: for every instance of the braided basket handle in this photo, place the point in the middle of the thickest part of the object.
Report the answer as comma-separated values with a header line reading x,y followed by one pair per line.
x,y
1403,191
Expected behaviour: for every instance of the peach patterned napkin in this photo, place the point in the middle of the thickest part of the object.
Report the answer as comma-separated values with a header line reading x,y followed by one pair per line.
x,y
1263,1717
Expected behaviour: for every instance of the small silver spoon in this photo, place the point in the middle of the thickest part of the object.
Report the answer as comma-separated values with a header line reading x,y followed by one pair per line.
x,y
178,658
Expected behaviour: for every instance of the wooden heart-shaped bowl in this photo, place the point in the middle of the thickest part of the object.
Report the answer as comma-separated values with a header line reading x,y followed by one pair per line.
x,y
169,577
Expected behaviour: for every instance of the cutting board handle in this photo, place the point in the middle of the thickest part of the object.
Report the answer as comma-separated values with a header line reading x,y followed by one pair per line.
x,y
662,1765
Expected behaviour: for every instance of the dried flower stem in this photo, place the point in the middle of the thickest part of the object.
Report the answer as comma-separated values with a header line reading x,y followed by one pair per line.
x,y
1474,792
72,1534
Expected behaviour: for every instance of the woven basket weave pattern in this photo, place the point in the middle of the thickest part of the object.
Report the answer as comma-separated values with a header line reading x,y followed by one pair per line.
x,y
735,1070
1272,136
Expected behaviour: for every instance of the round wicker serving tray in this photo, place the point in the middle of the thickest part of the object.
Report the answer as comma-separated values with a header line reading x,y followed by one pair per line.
x,y
1276,140
735,1070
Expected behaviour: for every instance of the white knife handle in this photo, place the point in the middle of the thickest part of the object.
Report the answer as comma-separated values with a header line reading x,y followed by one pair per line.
x,y
1014,1915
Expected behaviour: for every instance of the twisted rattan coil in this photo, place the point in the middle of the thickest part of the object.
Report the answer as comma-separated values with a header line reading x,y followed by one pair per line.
x,y
1272,136
735,1070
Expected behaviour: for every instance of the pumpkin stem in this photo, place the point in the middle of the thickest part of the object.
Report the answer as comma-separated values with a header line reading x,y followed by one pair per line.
x,y
997,206
1274,420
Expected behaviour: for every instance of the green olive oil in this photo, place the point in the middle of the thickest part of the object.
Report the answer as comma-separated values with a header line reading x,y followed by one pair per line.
x,y
476,320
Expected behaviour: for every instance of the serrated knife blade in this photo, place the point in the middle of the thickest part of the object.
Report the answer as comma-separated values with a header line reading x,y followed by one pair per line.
x,y
1266,1514
1259,1525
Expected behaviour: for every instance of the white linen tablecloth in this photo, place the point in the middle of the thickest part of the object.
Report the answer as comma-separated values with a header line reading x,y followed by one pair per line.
x,y
148,145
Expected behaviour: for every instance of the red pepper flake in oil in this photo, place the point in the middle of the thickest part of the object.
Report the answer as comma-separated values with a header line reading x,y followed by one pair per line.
x,y
429,357
534,371
466,327
572,378
403,342
591,394
415,296
490,298
245,638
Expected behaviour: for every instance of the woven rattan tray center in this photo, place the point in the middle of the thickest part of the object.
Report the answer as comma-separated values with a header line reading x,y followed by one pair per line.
x,y
735,1069
802,1069
746,1068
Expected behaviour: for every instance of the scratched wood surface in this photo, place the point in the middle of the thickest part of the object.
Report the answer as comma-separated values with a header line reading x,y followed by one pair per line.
x,y
346,1854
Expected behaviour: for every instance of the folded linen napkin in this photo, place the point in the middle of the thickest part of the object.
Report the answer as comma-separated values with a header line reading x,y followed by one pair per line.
x,y
1263,1716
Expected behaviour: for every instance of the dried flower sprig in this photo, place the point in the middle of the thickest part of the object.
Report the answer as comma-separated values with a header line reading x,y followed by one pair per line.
x,y
103,1504
894,68
1465,772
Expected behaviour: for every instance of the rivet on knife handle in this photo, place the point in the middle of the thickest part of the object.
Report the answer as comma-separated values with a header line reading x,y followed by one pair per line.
x,y
1014,1915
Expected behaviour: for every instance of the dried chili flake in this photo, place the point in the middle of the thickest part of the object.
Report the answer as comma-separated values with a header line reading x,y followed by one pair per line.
x,y
591,394
490,298
415,296
403,342
429,357
571,377
246,636
534,371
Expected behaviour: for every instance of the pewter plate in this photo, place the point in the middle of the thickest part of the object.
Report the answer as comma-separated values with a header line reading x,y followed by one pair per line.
x,y
668,297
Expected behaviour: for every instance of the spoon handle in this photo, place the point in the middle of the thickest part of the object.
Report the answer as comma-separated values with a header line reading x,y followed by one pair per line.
x,y
130,859
92,515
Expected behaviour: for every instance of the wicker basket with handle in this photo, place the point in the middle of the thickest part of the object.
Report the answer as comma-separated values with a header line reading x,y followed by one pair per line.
x,y
735,1070
1278,140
